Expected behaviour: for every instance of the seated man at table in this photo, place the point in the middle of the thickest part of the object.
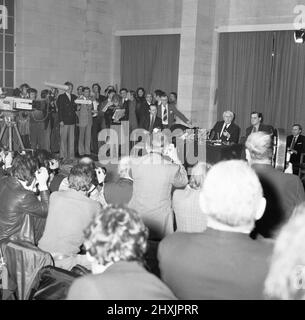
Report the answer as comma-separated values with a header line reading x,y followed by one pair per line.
x,y
257,124
222,262
226,130
296,146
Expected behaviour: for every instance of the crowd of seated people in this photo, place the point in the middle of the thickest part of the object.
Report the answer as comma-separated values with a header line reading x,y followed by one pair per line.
x,y
142,227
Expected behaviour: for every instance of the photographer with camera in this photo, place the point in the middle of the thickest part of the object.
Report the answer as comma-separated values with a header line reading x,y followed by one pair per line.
x,y
19,204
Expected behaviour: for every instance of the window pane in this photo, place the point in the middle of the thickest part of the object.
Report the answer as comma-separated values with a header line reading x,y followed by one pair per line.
x,y
1,78
1,42
9,43
9,79
10,29
10,6
9,61
1,60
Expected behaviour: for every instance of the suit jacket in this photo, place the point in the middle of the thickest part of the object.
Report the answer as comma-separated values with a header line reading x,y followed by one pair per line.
x,y
121,281
70,212
84,114
299,147
66,109
119,192
262,127
214,265
132,117
283,192
233,130
146,122
173,112
153,179
188,214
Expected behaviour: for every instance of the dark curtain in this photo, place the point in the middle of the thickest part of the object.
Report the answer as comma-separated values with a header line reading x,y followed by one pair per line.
x,y
151,62
244,75
288,82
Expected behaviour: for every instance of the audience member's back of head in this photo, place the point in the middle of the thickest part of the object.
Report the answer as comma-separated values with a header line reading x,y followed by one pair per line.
x,y
80,177
259,147
232,194
117,234
286,278
24,168
198,174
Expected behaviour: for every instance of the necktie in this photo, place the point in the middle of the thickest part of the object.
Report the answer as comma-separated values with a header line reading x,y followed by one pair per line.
x,y
293,143
165,116
254,129
151,125
223,130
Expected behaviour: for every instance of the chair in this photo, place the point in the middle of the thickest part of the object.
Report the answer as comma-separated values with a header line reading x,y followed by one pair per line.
x,y
23,260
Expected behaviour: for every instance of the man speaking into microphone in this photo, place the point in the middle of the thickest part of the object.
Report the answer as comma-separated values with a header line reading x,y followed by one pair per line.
x,y
226,130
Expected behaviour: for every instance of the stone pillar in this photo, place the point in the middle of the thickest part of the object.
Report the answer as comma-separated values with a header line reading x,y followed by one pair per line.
x,y
197,65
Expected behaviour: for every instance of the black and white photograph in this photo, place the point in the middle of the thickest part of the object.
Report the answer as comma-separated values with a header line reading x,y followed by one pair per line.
x,y
152,153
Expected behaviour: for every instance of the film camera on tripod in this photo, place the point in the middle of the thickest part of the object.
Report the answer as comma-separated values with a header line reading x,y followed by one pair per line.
x,y
9,107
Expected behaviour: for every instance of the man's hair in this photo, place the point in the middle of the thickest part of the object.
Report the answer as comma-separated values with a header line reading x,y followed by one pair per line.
x,y
80,177
286,273
24,168
32,90
259,114
159,92
174,94
86,88
140,88
164,95
123,89
44,93
116,234
43,157
259,145
99,87
298,125
111,91
229,113
231,193
198,174
24,85
68,83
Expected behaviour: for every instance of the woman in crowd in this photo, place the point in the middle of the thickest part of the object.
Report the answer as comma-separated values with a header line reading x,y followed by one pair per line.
x,y
189,216
116,241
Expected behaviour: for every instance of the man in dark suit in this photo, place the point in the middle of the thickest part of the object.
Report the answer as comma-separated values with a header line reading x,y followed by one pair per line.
x,y
226,130
151,121
257,125
222,262
120,192
168,113
296,146
67,120
283,191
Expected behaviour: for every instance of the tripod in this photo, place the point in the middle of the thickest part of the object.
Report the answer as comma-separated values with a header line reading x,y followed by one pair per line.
x,y
11,125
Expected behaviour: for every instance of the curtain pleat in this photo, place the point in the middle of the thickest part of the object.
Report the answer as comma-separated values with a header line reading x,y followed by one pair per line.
x,y
151,62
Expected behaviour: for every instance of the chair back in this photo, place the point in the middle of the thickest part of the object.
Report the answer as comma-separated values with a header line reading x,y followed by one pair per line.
x,y
23,260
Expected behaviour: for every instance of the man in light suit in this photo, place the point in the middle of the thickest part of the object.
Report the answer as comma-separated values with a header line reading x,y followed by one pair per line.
x,y
257,125
226,130
153,179
282,191
296,146
168,113
67,120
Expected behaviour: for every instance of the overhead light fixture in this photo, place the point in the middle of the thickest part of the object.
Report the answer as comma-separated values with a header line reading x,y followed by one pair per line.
x,y
299,36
